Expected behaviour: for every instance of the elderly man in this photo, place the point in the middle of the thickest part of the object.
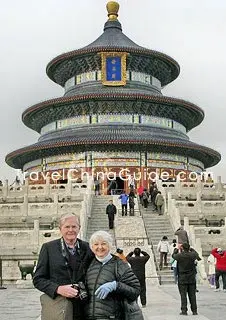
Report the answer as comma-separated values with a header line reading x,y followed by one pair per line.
x,y
62,263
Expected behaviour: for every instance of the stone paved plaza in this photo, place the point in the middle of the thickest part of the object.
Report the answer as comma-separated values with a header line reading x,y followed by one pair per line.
x,y
163,304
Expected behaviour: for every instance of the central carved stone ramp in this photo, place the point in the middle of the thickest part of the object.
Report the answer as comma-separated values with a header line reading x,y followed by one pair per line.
x,y
156,227
99,219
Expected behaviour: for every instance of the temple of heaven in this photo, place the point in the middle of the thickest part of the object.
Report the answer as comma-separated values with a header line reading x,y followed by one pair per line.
x,y
113,115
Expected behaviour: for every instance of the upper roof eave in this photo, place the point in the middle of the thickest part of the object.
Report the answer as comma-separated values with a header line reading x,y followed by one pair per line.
x,y
54,63
106,96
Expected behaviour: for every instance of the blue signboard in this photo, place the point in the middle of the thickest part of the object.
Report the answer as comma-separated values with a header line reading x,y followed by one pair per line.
x,y
113,69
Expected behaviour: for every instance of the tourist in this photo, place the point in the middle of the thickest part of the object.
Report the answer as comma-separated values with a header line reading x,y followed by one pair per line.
x,y
62,263
111,212
145,197
113,187
131,183
163,248
182,236
211,260
173,262
186,276
220,256
159,202
119,253
153,197
109,280
131,202
140,191
124,199
137,263
151,188
96,186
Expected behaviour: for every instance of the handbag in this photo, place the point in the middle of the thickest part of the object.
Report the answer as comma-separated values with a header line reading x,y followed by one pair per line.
x,y
131,310
59,308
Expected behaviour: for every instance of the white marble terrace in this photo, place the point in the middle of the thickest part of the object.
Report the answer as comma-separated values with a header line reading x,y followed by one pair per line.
x,y
29,215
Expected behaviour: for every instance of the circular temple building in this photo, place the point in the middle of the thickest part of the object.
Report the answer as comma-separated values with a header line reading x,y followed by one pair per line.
x,y
113,115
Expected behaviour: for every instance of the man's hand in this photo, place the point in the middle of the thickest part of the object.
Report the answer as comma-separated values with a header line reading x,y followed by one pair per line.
x,y
67,291
105,289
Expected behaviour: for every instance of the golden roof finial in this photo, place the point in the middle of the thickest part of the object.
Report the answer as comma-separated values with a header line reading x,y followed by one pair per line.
x,y
112,8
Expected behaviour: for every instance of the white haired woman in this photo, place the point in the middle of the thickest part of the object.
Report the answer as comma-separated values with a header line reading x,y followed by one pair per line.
x,y
109,280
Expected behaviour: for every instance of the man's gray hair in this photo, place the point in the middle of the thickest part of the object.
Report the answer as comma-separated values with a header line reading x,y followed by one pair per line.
x,y
65,216
101,235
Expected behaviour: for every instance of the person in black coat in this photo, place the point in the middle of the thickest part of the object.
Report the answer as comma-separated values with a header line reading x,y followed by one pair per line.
x,y
62,263
108,280
186,276
137,263
111,211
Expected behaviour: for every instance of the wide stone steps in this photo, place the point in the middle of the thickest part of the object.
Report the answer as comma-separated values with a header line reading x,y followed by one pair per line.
x,y
156,227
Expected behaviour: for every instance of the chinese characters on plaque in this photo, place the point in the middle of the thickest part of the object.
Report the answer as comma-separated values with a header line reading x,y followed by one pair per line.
x,y
113,71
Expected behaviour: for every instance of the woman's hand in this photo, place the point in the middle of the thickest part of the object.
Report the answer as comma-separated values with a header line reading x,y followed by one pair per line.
x,y
105,289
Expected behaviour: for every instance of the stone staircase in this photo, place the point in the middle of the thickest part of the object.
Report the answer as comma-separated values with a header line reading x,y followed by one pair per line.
x,y
99,219
156,227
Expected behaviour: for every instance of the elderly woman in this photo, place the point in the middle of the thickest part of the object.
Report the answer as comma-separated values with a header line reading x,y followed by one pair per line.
x,y
109,280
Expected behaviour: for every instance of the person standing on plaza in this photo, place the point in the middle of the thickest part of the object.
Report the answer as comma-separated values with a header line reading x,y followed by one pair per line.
x,y
137,263
163,249
186,276
159,202
111,212
211,260
124,199
62,262
182,236
220,256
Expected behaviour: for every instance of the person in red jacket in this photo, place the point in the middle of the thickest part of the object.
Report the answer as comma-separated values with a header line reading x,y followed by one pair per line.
x,y
220,256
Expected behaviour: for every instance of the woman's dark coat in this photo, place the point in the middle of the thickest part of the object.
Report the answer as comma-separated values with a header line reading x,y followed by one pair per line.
x,y
128,286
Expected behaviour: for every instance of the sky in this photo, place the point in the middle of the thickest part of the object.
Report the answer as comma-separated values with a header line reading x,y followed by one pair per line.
x,y
34,32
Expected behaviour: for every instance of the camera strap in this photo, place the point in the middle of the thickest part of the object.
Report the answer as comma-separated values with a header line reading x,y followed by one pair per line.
x,y
65,254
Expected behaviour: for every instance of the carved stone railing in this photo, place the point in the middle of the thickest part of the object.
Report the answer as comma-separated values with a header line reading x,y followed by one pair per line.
x,y
196,244
173,213
47,189
85,212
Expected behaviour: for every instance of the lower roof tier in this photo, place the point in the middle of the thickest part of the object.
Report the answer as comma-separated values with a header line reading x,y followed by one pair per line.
x,y
184,112
112,140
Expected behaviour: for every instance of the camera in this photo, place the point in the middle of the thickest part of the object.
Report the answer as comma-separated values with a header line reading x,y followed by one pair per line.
x,y
82,293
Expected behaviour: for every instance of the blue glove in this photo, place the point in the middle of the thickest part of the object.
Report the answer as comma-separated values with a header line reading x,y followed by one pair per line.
x,y
104,289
